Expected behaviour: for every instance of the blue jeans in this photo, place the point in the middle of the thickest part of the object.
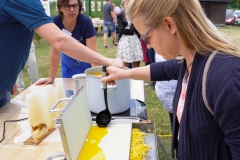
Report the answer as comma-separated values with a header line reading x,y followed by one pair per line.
x,y
109,26
4,97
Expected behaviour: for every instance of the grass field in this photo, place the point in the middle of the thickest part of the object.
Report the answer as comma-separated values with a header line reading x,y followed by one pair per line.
x,y
156,112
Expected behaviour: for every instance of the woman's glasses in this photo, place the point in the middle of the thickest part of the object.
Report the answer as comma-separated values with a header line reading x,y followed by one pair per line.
x,y
69,6
144,38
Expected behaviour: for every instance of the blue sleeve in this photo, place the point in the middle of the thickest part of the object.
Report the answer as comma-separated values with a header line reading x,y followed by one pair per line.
x,y
29,12
164,71
226,113
223,92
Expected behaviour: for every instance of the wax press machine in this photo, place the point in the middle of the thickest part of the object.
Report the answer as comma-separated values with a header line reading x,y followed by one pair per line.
x,y
76,119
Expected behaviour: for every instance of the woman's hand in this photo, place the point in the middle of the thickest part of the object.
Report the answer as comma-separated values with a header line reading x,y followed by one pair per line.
x,y
113,73
44,81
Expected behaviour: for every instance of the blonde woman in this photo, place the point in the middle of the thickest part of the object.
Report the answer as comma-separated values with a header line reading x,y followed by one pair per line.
x,y
129,46
206,121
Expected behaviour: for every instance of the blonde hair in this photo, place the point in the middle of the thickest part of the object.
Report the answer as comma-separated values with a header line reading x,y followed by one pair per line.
x,y
192,24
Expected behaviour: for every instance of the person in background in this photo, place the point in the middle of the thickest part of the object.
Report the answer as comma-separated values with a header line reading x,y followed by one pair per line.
x,y
165,91
151,55
32,68
121,9
73,23
146,59
116,9
19,21
129,49
109,23
206,104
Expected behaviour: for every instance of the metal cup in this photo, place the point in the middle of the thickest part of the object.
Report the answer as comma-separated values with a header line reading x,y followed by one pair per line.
x,y
79,80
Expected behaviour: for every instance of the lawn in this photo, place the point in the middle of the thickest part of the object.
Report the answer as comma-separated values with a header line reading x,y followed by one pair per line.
x,y
156,112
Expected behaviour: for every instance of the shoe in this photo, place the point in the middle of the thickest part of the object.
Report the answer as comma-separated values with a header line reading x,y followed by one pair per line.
x,y
106,47
115,44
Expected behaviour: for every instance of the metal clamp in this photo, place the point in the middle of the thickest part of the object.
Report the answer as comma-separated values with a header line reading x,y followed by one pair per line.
x,y
55,105
61,154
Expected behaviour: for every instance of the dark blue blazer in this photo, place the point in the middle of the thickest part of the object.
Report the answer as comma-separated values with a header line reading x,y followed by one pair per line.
x,y
203,136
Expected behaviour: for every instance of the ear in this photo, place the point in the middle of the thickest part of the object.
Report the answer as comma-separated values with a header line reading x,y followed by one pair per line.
x,y
170,24
61,9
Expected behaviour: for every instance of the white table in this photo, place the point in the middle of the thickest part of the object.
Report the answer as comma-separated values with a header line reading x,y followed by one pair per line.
x,y
12,148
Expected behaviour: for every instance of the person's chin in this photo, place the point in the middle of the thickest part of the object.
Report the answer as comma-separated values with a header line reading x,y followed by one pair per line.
x,y
72,16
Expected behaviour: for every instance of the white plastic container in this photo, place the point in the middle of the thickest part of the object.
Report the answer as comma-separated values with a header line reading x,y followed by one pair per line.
x,y
79,80
118,95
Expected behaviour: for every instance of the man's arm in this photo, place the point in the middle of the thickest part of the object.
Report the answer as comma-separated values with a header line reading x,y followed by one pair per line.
x,y
64,43
114,17
54,62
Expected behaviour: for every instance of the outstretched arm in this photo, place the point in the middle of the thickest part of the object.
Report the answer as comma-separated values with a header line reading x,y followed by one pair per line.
x,y
139,73
64,43
54,62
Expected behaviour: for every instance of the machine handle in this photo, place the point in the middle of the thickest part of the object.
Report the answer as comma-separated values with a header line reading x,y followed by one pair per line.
x,y
110,87
55,105
104,74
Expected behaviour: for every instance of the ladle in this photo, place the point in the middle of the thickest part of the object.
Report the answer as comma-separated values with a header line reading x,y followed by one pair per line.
x,y
104,117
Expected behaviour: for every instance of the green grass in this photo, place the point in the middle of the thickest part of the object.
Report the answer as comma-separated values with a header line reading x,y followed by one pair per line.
x,y
156,112
232,33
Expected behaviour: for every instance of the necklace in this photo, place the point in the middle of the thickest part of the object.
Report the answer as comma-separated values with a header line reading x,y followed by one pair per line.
x,y
187,72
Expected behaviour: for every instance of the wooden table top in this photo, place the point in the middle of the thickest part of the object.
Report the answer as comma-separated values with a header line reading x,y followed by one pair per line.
x,y
16,133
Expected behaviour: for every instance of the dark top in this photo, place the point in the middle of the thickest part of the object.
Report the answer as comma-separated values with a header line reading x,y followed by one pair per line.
x,y
18,19
122,24
203,136
107,9
83,30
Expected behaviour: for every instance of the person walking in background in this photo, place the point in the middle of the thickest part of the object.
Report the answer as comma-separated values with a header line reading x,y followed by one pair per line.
x,y
109,23
129,46
206,103
32,68
19,21
73,23
165,91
